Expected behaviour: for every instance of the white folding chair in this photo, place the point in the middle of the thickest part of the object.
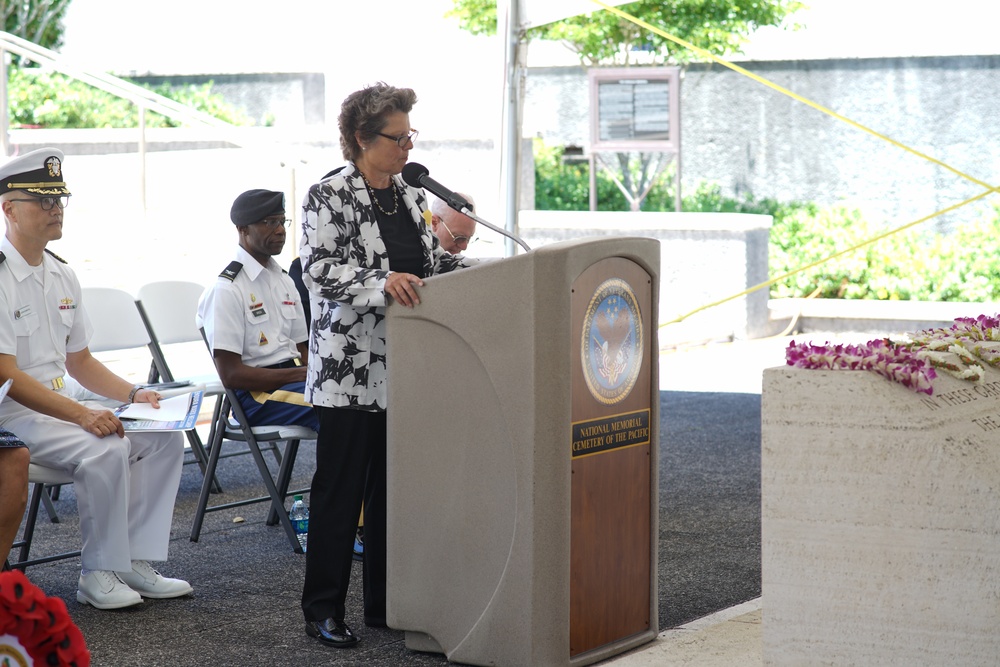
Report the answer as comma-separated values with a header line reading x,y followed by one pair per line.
x,y
168,309
237,429
118,326
42,480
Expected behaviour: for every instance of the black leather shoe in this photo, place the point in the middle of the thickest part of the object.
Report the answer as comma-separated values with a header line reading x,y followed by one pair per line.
x,y
332,632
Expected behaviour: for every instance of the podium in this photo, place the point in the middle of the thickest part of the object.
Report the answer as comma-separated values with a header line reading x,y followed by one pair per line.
x,y
523,429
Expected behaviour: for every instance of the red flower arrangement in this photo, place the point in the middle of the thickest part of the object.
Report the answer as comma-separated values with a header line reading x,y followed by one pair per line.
x,y
41,624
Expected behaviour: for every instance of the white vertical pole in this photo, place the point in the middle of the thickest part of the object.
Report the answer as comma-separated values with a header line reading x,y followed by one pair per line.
x,y
4,104
508,12
142,156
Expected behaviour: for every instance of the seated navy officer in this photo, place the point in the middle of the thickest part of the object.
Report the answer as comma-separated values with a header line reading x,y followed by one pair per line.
x,y
253,318
125,484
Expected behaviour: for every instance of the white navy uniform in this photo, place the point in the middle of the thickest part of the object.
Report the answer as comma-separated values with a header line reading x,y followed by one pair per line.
x,y
125,487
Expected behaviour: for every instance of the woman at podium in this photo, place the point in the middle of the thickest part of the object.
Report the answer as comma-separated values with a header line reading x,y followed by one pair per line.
x,y
364,245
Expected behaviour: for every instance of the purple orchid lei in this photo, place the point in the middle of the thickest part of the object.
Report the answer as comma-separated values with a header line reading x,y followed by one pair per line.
x,y
960,350
894,361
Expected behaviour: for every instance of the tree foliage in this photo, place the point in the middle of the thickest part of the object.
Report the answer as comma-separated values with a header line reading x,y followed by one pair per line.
x,y
909,265
39,98
38,21
602,38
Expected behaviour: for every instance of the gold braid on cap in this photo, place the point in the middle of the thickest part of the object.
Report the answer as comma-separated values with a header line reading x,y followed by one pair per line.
x,y
45,184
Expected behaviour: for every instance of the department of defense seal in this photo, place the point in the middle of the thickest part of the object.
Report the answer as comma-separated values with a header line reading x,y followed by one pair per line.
x,y
612,345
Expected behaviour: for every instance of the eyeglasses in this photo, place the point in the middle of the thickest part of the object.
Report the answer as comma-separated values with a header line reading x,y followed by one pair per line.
x,y
46,202
461,239
401,140
274,223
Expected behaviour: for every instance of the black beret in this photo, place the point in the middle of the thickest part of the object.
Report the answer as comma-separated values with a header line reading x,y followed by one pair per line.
x,y
255,205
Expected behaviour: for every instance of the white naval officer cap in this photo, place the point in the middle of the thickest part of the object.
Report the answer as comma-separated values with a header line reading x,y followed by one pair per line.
x,y
38,172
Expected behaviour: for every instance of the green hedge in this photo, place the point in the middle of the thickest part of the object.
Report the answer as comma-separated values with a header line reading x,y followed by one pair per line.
x,y
918,265
914,264
47,99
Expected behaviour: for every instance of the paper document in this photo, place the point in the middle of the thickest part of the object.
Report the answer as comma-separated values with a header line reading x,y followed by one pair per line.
x,y
169,392
179,413
5,388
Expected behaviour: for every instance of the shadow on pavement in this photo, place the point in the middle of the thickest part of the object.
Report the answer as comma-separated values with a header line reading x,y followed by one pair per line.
x,y
245,609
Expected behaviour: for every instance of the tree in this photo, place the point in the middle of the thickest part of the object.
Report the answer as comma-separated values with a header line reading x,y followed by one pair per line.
x,y
602,38
38,21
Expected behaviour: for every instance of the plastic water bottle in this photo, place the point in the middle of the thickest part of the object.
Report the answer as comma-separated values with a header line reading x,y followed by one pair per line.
x,y
299,516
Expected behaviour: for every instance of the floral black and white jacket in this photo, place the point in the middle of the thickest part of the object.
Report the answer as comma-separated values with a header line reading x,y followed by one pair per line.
x,y
344,266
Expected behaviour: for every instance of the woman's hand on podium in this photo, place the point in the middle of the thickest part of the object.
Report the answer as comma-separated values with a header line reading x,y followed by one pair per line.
x,y
400,286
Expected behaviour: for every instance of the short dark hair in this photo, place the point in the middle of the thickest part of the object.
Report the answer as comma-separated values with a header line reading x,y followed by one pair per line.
x,y
366,112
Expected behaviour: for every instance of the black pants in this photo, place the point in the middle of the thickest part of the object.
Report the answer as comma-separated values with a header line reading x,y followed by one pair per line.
x,y
350,468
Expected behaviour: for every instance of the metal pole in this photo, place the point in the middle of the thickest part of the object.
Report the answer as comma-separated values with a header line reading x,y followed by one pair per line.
x,y
676,105
4,103
142,156
511,138
593,182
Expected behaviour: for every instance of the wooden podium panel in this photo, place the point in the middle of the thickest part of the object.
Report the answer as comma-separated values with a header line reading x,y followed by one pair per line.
x,y
611,480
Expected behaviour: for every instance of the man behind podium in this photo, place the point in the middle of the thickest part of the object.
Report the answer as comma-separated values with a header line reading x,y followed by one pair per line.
x,y
125,485
454,229
253,318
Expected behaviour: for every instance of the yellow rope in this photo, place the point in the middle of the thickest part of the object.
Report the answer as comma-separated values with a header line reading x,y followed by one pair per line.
x,y
826,259
789,93
830,112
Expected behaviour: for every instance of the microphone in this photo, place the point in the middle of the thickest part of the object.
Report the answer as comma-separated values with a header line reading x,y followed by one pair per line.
x,y
416,175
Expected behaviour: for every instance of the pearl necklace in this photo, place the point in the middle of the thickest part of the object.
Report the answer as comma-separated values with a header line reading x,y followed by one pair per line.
x,y
371,193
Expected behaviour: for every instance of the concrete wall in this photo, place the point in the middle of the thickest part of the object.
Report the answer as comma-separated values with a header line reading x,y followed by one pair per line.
x,y
280,99
879,537
750,138
704,257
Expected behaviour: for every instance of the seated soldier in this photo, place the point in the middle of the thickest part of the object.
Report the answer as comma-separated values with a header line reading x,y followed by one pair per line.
x,y
253,318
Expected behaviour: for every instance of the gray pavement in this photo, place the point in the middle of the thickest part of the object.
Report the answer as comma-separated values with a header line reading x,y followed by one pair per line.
x,y
245,609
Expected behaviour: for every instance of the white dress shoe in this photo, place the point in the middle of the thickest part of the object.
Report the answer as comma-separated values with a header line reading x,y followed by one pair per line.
x,y
104,590
151,584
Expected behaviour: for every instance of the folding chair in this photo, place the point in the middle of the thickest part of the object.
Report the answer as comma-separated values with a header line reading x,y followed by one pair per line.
x,y
42,480
118,326
238,430
168,309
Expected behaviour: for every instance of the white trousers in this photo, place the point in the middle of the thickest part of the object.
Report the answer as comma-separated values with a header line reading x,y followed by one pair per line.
x,y
125,487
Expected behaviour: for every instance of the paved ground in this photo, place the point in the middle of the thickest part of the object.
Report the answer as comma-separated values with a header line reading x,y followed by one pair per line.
x,y
247,580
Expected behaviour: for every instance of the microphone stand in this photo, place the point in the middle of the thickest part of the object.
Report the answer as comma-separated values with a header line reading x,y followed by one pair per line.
x,y
498,230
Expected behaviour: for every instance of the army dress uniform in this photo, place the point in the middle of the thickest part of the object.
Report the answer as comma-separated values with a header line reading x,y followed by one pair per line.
x,y
255,311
